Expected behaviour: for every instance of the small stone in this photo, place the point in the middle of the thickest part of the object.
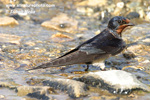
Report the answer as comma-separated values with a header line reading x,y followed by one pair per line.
x,y
115,81
132,96
97,32
62,23
74,88
120,4
5,21
8,38
59,37
25,90
132,15
128,55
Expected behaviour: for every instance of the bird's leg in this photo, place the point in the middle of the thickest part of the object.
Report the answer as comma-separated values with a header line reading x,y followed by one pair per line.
x,y
87,64
87,67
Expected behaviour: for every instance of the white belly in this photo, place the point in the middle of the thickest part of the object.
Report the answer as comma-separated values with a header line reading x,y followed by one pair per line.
x,y
100,62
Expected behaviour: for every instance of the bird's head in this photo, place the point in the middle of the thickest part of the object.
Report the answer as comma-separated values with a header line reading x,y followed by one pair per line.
x,y
119,23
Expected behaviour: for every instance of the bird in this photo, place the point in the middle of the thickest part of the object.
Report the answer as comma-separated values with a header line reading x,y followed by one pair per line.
x,y
107,43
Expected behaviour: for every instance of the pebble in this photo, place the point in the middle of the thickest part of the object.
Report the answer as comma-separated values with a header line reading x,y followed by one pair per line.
x,y
132,15
8,38
5,21
129,55
25,90
74,88
39,92
59,37
62,22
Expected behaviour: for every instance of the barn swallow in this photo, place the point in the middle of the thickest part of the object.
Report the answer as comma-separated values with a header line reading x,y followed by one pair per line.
x,y
105,44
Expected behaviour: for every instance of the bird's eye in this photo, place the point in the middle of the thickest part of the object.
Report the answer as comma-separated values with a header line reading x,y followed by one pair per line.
x,y
119,21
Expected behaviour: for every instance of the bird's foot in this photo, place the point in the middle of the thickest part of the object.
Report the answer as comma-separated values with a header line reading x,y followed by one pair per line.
x,y
87,68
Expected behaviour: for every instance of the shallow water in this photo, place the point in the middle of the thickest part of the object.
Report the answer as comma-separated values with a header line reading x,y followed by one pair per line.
x,y
37,46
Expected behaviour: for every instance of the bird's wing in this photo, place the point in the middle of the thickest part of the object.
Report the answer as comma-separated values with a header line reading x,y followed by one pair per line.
x,y
88,45
91,49
102,43
109,46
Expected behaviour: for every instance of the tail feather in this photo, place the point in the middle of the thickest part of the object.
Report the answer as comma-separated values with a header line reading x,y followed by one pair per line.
x,y
54,63
76,57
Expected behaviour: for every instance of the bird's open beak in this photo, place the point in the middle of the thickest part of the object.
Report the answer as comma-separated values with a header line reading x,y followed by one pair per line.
x,y
130,24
